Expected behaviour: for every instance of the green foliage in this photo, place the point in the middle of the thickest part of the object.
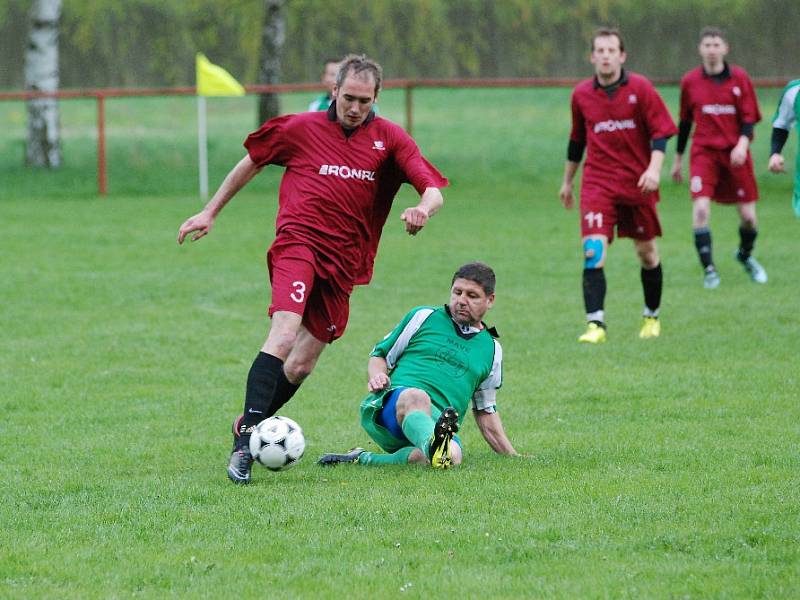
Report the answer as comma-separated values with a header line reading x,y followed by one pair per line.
x,y
153,42
657,469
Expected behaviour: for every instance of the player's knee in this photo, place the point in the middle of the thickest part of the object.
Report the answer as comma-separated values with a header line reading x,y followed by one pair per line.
x,y
412,399
648,256
593,253
701,216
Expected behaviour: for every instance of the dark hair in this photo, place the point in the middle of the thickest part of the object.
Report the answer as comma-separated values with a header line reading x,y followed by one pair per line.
x,y
712,31
606,32
478,272
356,64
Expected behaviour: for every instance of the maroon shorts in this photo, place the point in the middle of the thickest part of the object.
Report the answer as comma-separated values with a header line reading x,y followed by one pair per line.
x,y
712,176
298,288
634,216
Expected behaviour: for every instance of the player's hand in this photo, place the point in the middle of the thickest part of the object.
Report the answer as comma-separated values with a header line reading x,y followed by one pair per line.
x,y
201,223
565,195
378,382
415,219
738,155
649,181
776,163
677,170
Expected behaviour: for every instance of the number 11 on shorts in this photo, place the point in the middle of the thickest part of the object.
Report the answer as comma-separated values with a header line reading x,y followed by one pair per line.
x,y
594,220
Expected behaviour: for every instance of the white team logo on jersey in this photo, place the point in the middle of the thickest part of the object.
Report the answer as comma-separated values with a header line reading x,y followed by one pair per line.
x,y
614,125
740,192
696,184
346,172
632,99
718,109
737,91
378,145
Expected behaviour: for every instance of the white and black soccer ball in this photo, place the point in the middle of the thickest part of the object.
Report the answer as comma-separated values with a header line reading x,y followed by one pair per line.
x,y
277,443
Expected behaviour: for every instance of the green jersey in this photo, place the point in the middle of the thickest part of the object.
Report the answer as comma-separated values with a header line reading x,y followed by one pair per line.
x,y
453,364
785,117
322,102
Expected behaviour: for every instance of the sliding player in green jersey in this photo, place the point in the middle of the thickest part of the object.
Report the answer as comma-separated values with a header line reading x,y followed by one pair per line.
x,y
785,116
426,372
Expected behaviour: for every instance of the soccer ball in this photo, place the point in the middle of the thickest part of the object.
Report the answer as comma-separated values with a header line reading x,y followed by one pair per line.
x,y
277,443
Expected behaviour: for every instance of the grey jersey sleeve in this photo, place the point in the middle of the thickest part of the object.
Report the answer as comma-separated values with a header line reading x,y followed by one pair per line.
x,y
785,116
485,397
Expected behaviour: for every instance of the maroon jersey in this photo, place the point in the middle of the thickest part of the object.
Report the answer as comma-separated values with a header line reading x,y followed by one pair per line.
x,y
617,131
336,192
719,105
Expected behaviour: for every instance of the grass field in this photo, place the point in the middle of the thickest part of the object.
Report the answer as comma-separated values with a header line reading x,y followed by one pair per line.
x,y
665,468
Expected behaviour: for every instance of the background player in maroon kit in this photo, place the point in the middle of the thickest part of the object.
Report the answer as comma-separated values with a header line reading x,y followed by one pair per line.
x,y
624,125
720,99
343,169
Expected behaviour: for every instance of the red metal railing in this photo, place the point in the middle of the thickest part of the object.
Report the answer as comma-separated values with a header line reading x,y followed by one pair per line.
x,y
406,84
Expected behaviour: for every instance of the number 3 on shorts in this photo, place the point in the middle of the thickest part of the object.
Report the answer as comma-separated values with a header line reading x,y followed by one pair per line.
x,y
299,293
594,220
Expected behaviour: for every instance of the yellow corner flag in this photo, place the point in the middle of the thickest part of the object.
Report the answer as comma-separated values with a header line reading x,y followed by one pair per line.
x,y
215,81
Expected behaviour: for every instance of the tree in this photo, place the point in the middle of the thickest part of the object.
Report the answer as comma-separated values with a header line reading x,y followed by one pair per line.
x,y
41,75
273,35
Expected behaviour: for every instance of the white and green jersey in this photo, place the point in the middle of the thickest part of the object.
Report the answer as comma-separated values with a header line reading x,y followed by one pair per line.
x,y
453,364
785,117
322,102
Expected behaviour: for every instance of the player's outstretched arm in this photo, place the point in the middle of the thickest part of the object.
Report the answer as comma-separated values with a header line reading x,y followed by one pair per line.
x,y
234,181
491,428
415,217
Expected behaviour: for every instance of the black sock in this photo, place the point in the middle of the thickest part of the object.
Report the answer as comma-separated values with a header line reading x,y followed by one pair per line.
x,y
261,383
594,289
747,237
652,281
284,390
702,241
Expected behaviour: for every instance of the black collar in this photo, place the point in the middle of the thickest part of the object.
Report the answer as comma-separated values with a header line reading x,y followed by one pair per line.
x,y
721,76
611,87
469,334
333,118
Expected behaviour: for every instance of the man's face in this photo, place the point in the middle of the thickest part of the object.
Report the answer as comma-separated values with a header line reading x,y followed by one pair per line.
x,y
354,99
606,57
713,49
469,302
329,75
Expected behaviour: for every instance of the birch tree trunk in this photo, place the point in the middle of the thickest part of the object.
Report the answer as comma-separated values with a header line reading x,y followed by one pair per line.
x,y
41,75
273,36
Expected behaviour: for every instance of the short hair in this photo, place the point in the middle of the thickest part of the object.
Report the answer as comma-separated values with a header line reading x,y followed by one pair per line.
x,y
478,272
606,32
357,64
712,31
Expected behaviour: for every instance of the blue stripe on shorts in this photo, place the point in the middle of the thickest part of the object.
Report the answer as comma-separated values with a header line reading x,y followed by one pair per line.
x,y
388,415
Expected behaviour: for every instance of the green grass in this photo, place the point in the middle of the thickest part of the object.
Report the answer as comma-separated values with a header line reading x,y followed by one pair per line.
x,y
666,468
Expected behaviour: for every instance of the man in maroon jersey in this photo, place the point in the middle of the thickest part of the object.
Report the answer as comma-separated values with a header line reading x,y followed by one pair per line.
x,y
623,124
343,169
720,99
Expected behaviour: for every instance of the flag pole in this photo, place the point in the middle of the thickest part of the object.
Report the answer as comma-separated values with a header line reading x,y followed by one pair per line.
x,y
202,146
